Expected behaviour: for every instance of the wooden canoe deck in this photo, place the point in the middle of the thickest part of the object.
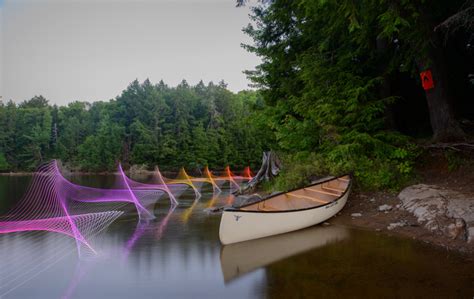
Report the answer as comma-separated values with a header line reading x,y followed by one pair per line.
x,y
307,197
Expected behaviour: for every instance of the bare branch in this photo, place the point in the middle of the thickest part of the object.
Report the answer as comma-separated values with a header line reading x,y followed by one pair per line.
x,y
462,19
452,146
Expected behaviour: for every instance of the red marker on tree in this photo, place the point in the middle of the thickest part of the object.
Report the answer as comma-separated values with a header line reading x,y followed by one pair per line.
x,y
427,80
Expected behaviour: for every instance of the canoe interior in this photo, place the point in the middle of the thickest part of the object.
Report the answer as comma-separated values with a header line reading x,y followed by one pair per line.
x,y
307,197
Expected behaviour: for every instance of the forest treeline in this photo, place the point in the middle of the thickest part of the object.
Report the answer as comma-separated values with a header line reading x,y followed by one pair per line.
x,y
148,124
339,90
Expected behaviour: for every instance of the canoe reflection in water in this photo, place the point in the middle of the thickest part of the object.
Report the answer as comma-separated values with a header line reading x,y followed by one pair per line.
x,y
240,258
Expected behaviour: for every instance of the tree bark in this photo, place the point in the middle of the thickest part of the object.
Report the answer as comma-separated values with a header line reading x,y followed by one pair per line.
x,y
445,126
270,168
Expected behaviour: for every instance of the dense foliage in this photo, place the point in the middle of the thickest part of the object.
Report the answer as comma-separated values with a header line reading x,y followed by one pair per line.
x,y
191,126
331,77
325,75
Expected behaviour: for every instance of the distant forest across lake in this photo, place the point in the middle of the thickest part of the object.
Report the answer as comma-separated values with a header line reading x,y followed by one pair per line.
x,y
148,124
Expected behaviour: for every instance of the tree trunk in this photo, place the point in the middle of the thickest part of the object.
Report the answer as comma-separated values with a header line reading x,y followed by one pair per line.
x,y
445,126
270,168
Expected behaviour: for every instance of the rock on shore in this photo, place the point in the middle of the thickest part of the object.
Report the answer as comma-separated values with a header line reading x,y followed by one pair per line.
x,y
442,211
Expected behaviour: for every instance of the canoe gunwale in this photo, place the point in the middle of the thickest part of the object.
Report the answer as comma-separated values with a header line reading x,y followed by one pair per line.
x,y
348,188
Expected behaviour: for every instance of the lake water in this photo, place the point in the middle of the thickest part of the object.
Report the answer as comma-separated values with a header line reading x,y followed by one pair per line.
x,y
179,255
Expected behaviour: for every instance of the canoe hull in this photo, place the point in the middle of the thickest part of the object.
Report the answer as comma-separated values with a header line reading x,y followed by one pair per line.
x,y
237,226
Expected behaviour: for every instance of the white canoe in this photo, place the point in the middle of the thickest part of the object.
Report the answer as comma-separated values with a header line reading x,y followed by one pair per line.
x,y
285,212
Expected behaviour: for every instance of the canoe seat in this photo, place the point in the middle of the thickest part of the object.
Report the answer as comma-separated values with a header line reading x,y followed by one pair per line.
x,y
331,189
327,192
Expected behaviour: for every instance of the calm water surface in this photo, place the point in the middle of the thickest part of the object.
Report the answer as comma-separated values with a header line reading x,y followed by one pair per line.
x,y
179,255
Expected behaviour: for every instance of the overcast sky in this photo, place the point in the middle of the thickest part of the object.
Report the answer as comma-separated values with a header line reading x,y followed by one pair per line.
x,y
91,50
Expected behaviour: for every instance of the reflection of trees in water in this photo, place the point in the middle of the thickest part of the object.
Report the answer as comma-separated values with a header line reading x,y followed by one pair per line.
x,y
25,256
11,191
196,249
157,229
197,242
80,271
370,265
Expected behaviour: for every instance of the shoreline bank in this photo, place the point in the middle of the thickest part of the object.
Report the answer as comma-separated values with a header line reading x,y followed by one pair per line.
x,y
362,211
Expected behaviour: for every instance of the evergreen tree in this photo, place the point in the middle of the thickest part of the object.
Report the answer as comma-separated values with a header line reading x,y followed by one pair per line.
x,y
102,150
190,126
322,76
